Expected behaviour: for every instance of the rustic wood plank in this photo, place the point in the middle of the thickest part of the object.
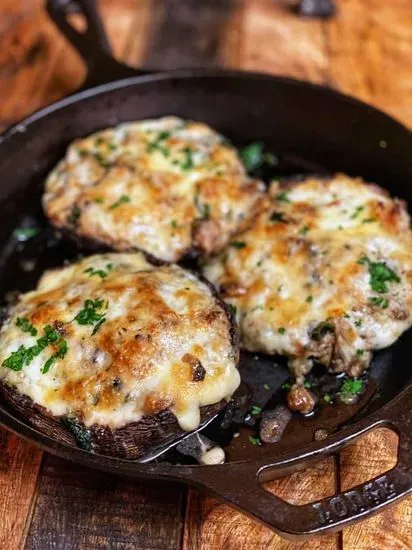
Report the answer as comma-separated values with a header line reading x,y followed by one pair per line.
x,y
19,467
187,33
370,53
78,508
277,41
371,456
211,524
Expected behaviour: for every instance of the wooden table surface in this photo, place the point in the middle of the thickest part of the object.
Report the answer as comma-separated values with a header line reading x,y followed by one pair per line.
x,y
366,50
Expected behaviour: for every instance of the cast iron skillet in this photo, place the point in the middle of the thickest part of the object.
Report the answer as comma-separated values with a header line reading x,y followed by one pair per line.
x,y
306,125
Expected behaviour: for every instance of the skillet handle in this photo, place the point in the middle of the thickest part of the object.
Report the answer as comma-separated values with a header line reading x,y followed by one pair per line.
x,y
92,44
239,485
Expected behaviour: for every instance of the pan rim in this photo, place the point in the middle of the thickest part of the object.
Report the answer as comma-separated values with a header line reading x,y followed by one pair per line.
x,y
188,74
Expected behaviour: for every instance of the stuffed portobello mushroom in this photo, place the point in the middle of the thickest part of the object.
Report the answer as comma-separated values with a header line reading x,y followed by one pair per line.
x,y
117,354
324,274
169,187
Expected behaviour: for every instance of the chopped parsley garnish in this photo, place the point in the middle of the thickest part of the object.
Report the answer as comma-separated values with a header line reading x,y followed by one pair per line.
x,y
358,323
327,398
307,385
309,299
24,356
283,197
379,301
74,216
58,355
25,233
174,224
281,330
104,163
304,230
255,441
123,199
252,156
238,244
25,325
380,274
89,314
187,163
277,217
255,410
266,387
360,352
99,200
286,386
232,309
369,220
157,145
350,387
99,272
98,325
358,210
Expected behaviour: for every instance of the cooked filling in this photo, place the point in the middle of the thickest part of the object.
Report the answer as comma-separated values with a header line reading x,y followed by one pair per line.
x,y
113,338
324,273
166,186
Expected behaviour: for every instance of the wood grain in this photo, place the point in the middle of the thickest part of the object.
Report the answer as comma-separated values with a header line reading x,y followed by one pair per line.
x,y
19,467
83,509
365,51
211,524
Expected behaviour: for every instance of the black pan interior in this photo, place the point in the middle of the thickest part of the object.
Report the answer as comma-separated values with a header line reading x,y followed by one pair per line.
x,y
309,129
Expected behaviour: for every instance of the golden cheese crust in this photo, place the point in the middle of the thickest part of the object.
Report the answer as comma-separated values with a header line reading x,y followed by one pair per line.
x,y
113,338
324,273
166,186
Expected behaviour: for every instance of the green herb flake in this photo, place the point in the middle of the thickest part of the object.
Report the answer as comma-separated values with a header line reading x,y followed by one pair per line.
x,y
98,325
307,385
255,441
99,272
358,210
25,233
304,230
74,216
327,398
255,410
358,323
80,433
277,217
266,387
286,386
99,200
309,299
351,387
25,325
123,199
238,244
232,309
89,314
157,144
283,197
252,156
281,330
380,274
379,301
24,356
369,220
187,163
360,352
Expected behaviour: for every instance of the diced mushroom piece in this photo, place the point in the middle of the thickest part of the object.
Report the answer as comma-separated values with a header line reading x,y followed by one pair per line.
x,y
300,399
202,449
273,424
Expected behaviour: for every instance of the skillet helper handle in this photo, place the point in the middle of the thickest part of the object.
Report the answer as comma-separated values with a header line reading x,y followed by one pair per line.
x,y
92,43
239,485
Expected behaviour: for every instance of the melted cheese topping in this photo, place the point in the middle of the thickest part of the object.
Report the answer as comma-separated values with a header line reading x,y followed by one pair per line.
x,y
164,186
302,275
165,343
